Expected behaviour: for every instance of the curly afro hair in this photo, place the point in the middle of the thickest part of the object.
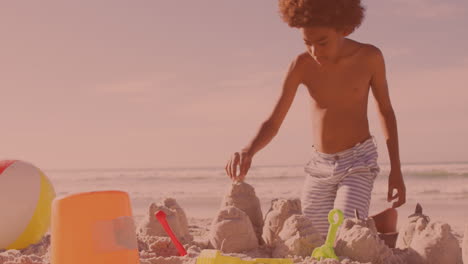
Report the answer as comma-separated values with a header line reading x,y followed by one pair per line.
x,y
339,14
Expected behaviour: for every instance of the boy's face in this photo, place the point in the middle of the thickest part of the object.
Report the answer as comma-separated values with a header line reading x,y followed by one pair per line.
x,y
323,43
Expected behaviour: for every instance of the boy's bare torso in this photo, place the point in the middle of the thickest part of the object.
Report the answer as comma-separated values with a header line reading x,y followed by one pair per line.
x,y
339,97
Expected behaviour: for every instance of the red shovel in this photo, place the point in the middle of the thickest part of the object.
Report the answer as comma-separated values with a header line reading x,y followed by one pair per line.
x,y
161,216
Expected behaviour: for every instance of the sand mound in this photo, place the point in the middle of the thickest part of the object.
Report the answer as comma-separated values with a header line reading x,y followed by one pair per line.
x,y
170,260
297,237
232,232
34,254
15,256
156,246
280,210
436,244
359,240
431,242
175,217
242,196
465,245
417,221
309,260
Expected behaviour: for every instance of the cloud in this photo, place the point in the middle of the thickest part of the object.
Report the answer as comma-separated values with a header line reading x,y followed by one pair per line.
x,y
141,86
393,53
253,80
234,99
156,87
429,93
427,9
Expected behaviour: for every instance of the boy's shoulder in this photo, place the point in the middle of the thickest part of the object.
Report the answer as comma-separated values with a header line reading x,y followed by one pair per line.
x,y
372,55
371,51
363,50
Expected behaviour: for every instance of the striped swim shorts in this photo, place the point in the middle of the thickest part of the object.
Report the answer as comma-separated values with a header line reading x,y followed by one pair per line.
x,y
342,180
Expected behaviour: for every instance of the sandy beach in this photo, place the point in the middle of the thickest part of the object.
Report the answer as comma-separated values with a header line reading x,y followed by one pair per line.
x,y
202,194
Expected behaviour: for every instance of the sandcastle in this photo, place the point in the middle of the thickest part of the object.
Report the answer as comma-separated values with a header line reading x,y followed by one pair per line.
x,y
432,242
175,217
407,230
358,239
280,210
436,244
419,242
285,230
297,237
232,231
242,196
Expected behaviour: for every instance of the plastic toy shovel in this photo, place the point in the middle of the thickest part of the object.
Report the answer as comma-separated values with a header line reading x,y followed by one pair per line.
x,y
326,250
161,216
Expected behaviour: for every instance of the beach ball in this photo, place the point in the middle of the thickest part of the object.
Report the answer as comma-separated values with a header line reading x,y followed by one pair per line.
x,y
25,203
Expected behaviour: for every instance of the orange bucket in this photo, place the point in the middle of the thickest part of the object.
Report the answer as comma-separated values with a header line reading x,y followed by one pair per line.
x,y
93,228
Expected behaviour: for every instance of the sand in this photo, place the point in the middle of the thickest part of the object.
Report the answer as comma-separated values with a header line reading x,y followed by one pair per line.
x,y
423,241
359,240
232,231
34,254
430,242
242,195
280,210
298,237
465,245
175,216
157,250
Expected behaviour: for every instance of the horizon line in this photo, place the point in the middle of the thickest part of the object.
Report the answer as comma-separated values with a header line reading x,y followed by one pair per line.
x,y
221,167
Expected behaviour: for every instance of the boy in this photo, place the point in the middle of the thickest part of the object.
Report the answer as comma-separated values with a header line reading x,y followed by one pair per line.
x,y
338,73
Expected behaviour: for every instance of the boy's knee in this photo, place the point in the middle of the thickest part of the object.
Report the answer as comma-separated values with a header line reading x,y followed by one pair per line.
x,y
391,213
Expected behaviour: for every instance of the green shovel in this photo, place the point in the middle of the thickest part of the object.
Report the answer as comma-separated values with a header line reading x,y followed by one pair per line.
x,y
326,250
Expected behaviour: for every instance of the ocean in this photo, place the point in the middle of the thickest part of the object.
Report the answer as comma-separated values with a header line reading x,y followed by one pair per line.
x,y
442,189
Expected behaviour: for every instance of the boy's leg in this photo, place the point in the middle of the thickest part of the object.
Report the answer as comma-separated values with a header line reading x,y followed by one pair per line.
x,y
355,188
354,192
386,221
318,196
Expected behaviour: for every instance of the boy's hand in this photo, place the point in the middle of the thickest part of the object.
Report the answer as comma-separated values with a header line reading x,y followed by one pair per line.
x,y
395,181
242,159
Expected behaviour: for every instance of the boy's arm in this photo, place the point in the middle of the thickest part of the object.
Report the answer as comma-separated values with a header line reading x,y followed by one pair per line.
x,y
387,116
270,126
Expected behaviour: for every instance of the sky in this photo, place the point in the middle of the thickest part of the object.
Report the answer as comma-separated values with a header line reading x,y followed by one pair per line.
x,y
158,84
